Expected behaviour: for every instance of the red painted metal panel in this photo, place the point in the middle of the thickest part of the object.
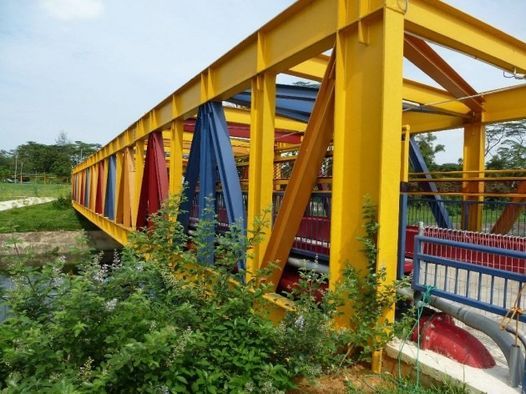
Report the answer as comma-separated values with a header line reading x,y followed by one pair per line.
x,y
154,188
439,333
486,259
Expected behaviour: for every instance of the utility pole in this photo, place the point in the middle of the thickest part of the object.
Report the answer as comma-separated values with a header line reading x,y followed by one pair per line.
x,y
16,164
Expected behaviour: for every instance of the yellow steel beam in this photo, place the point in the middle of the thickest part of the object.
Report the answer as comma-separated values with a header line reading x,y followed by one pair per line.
x,y
433,98
418,52
242,116
261,163
505,105
119,187
117,231
303,178
421,122
367,151
474,150
176,156
139,170
313,68
439,22
413,91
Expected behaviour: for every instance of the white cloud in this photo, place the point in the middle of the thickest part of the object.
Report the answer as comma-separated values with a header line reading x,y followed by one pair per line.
x,y
73,9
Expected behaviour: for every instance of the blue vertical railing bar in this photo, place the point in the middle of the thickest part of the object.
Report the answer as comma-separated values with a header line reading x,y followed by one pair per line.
x,y
402,226
422,259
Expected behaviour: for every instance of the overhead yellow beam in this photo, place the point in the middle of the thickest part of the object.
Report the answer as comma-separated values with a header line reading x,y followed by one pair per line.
x,y
242,116
422,122
439,22
413,91
313,68
418,52
506,105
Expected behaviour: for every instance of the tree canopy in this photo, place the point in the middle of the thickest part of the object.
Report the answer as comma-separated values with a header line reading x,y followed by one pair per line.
x,y
36,158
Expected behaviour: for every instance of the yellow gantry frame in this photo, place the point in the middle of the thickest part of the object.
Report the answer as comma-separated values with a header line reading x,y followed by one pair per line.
x,y
370,39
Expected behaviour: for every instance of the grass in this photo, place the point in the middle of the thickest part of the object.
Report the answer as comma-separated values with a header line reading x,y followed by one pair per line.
x,y
13,191
51,216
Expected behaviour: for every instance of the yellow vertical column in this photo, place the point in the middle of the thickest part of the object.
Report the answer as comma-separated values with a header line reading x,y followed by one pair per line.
x,y
139,169
367,126
119,190
176,156
93,187
474,151
261,162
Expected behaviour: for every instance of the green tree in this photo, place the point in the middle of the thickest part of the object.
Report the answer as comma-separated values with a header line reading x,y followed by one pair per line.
x,y
428,147
6,164
505,147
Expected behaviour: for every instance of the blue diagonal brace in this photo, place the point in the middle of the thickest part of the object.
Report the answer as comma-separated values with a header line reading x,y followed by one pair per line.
x,y
190,177
109,204
226,164
436,203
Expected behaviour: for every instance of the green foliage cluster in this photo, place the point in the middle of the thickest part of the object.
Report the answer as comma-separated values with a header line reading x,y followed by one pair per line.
x,y
140,325
371,298
36,158
157,321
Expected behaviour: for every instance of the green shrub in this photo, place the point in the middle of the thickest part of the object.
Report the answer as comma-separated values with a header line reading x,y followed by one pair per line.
x,y
157,321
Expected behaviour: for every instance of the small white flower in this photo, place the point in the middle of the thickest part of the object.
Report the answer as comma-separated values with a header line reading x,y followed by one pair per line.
x,y
111,304
300,322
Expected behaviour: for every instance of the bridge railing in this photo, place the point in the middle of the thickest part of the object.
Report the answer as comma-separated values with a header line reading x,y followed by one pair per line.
x,y
458,279
418,210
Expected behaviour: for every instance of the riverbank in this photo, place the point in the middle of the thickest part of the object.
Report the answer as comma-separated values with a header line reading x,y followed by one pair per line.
x,y
55,243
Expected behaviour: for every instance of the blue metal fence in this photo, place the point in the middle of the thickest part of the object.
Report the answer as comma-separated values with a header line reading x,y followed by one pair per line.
x,y
479,286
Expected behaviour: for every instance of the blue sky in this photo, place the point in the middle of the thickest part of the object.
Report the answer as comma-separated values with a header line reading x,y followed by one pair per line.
x,y
90,68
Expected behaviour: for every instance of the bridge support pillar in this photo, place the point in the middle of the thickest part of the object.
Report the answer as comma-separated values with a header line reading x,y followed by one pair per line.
x,y
176,157
367,127
139,170
474,150
261,163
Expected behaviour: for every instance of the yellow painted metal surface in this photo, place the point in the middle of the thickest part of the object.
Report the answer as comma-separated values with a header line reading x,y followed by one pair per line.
x,y
176,157
444,24
261,163
473,161
367,149
139,170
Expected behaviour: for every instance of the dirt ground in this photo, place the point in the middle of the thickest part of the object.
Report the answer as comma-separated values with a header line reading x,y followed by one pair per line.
x,y
358,376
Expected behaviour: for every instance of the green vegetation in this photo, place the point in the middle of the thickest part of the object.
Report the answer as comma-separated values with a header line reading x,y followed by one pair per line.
x,y
14,191
141,325
33,158
52,216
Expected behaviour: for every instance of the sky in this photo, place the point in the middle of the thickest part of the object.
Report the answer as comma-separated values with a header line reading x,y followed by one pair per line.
x,y
90,68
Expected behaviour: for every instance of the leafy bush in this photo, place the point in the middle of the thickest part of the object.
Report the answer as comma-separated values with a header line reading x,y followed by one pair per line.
x,y
139,325
370,297
157,321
